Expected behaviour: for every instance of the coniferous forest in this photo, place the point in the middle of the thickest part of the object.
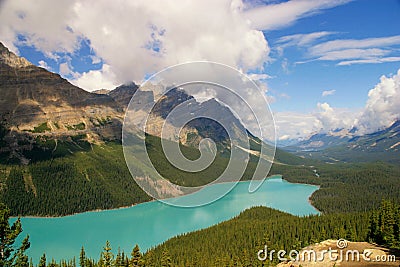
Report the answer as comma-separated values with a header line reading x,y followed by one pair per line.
x,y
359,202
231,243
96,177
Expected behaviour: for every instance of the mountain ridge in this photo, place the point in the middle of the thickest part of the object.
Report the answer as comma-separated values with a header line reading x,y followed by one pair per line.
x,y
382,145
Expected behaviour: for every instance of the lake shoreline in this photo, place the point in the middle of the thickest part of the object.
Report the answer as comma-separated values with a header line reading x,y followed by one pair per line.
x,y
275,176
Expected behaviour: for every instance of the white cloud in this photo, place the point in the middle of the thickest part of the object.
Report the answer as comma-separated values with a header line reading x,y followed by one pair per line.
x,y
43,64
95,60
361,51
139,37
302,39
280,15
338,45
382,107
369,61
354,53
291,125
285,65
334,118
64,69
380,111
259,76
48,31
96,79
329,92
284,137
346,51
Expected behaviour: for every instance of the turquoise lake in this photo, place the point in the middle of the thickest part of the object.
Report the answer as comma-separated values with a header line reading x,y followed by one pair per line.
x,y
151,223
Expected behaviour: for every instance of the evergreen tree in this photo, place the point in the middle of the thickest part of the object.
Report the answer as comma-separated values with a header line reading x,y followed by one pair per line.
x,y
22,259
107,256
149,259
119,261
385,224
8,234
166,259
136,259
373,229
82,257
42,261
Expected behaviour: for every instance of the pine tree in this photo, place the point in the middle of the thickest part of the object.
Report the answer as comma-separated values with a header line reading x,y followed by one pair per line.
x,y
42,261
22,259
166,259
82,257
119,261
136,259
107,256
387,223
373,228
148,258
8,235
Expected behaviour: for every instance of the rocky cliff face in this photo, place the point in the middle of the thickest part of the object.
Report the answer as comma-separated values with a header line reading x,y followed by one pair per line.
x,y
12,60
36,102
199,128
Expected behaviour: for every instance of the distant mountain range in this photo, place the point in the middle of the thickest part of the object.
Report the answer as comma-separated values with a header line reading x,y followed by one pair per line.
x,y
344,145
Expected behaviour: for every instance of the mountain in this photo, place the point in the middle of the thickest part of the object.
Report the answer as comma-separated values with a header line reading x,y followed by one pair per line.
x,y
37,103
319,141
101,91
54,135
382,145
123,94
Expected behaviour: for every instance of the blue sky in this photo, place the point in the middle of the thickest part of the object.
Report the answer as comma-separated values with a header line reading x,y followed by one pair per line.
x,y
317,60
304,83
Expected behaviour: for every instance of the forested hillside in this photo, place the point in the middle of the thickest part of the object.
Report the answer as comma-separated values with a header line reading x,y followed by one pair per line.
x,y
73,176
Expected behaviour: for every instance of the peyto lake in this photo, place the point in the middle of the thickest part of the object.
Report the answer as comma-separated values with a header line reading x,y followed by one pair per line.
x,y
151,223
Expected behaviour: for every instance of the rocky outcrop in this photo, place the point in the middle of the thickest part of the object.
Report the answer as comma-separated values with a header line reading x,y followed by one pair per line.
x,y
12,60
36,102
347,254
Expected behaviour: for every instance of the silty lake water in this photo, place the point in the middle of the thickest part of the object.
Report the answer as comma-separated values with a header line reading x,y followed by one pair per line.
x,y
149,224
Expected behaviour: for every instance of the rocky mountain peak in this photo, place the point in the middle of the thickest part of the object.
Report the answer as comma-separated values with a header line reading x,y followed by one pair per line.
x,y
12,60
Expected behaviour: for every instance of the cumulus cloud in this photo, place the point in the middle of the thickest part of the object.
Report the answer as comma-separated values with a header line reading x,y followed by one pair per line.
x,y
380,111
382,107
292,125
43,64
138,37
329,92
334,118
48,31
141,37
64,69
96,79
